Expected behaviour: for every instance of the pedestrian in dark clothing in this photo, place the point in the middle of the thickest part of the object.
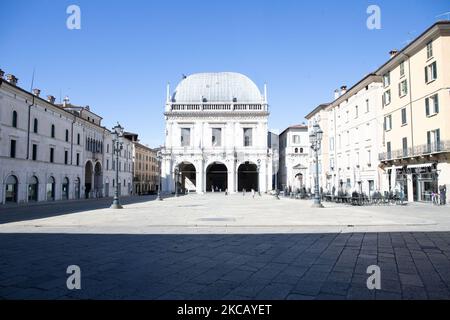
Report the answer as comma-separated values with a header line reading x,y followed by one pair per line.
x,y
443,194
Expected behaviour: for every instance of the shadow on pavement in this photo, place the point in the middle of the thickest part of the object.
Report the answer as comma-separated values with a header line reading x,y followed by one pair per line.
x,y
237,267
53,209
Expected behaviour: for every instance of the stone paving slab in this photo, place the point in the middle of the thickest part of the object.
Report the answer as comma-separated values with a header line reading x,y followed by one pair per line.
x,y
220,214
124,267
225,248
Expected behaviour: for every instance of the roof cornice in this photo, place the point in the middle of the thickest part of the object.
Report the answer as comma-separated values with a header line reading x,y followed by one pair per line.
x,y
436,30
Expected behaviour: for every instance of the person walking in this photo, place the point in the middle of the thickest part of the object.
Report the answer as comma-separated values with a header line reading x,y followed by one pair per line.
x,y
434,198
443,193
253,193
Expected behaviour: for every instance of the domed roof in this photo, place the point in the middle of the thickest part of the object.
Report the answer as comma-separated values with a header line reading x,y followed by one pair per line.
x,y
217,87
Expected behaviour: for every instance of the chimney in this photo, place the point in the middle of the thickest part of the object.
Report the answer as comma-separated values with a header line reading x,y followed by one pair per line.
x,y
36,92
343,90
2,73
51,99
336,94
12,79
66,101
393,53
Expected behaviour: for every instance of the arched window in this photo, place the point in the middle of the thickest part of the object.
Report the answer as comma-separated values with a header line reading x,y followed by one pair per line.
x,y
65,189
296,150
33,189
14,119
35,125
53,131
50,189
11,189
301,150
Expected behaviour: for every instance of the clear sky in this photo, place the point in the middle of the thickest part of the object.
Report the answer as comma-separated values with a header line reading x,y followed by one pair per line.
x,y
126,51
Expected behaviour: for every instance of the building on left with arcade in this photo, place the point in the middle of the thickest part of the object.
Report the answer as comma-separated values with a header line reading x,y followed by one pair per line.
x,y
53,152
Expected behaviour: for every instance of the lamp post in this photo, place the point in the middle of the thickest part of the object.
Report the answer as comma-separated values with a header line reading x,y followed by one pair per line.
x,y
315,138
117,148
258,168
176,182
159,157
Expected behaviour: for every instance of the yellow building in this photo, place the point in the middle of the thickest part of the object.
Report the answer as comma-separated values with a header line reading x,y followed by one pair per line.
x,y
145,167
416,115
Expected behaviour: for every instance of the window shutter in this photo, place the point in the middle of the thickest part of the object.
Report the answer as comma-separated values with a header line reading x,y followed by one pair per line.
x,y
427,106
434,68
438,137
436,103
384,124
429,137
426,74
400,89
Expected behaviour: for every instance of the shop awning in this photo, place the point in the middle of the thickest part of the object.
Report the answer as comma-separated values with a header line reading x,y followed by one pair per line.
x,y
423,165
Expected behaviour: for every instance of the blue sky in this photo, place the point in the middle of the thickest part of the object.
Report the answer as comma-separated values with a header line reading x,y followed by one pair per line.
x,y
126,51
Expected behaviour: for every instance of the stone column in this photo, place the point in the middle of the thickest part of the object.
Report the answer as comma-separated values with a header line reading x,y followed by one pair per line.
x,y
231,178
393,178
409,181
199,178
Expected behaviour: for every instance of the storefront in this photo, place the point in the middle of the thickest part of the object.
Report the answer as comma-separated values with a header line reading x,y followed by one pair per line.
x,y
417,182
424,181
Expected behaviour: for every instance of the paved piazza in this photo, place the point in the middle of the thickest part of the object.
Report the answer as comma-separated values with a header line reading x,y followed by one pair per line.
x,y
218,247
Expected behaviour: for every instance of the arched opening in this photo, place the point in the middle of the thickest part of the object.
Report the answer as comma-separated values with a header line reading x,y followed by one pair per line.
x,y
299,184
33,189
11,189
65,189
98,180
88,179
248,177
216,177
187,179
77,188
50,189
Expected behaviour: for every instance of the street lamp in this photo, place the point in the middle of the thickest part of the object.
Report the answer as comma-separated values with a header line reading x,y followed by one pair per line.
x,y
176,182
315,138
117,148
258,167
159,157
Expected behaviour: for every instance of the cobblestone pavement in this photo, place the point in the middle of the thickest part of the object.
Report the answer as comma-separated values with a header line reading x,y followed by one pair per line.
x,y
213,262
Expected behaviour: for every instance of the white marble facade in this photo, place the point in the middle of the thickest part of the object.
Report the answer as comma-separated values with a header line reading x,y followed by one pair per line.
x,y
216,136
294,158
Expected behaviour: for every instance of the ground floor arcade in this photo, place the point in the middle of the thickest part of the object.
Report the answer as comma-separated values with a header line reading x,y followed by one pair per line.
x,y
216,176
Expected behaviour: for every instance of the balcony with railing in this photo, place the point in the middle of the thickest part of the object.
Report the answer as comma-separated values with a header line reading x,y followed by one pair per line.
x,y
218,107
417,151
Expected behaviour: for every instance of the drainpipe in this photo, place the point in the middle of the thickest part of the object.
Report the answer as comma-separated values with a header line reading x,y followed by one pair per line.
x,y
28,129
71,141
